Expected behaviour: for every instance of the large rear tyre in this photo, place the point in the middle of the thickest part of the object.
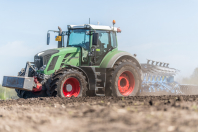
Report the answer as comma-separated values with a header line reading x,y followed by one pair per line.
x,y
68,83
29,94
125,79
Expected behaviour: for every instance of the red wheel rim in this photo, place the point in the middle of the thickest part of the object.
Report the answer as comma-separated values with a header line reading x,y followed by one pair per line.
x,y
71,87
126,83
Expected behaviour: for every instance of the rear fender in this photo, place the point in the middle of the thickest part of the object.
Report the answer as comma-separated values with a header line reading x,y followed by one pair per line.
x,y
113,57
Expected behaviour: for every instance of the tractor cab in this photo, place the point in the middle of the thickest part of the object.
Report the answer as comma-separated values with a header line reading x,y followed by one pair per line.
x,y
95,41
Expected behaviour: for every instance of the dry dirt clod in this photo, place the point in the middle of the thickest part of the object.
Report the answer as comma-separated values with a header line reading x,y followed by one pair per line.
x,y
171,128
180,98
151,102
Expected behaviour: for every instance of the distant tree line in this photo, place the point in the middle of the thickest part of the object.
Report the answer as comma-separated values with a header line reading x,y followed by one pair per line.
x,y
6,93
193,79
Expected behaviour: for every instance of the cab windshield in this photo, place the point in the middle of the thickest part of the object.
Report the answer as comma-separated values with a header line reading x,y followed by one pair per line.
x,y
78,37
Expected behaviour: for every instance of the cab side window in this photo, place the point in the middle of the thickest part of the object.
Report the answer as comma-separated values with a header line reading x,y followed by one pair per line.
x,y
106,42
113,40
103,45
103,40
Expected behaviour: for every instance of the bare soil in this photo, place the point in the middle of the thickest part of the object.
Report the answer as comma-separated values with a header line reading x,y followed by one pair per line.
x,y
133,114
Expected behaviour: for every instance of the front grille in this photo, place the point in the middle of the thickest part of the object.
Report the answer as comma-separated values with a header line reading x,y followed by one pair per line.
x,y
39,61
53,63
46,59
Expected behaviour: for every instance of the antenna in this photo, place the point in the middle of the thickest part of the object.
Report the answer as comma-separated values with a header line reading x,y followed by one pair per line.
x,y
89,20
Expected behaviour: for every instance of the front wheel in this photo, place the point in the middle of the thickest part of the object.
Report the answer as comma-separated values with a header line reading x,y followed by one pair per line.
x,y
68,83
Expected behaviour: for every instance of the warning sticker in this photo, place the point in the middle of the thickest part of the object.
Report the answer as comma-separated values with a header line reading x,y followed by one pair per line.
x,y
57,38
97,49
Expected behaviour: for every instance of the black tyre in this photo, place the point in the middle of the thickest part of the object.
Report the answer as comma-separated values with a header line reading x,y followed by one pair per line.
x,y
29,94
125,79
68,83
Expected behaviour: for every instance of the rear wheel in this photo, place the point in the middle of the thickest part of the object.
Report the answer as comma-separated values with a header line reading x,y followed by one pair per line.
x,y
68,83
124,79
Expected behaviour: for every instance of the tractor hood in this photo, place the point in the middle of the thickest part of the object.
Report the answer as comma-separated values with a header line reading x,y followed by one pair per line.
x,y
43,57
68,50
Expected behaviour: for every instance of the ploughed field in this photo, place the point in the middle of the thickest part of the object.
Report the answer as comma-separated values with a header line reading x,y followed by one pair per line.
x,y
133,114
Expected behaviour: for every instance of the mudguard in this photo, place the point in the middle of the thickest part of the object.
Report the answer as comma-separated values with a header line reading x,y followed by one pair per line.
x,y
111,58
89,73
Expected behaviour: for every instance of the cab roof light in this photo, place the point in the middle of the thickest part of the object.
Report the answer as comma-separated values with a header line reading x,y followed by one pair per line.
x,y
118,29
114,22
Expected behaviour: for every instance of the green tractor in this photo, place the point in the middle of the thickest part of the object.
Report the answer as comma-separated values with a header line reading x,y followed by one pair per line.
x,y
89,64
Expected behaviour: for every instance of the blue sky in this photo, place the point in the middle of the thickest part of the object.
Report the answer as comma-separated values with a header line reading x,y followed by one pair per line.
x,y
161,30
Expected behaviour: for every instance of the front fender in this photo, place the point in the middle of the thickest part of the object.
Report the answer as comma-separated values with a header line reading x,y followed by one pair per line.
x,y
89,72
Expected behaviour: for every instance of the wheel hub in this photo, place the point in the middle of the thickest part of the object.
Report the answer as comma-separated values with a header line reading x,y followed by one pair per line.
x,y
71,87
126,83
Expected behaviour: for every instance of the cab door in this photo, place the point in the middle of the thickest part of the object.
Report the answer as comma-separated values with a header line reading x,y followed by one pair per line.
x,y
104,43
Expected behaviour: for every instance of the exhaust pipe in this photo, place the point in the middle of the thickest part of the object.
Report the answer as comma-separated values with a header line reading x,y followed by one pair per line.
x,y
60,44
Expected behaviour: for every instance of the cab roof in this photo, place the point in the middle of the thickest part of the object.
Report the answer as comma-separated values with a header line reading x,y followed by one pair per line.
x,y
90,26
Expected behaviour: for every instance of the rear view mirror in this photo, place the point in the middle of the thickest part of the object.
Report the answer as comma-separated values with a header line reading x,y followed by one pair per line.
x,y
95,39
48,38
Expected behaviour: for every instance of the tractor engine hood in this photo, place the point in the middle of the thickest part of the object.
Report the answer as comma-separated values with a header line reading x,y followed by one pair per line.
x,y
43,57
69,50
